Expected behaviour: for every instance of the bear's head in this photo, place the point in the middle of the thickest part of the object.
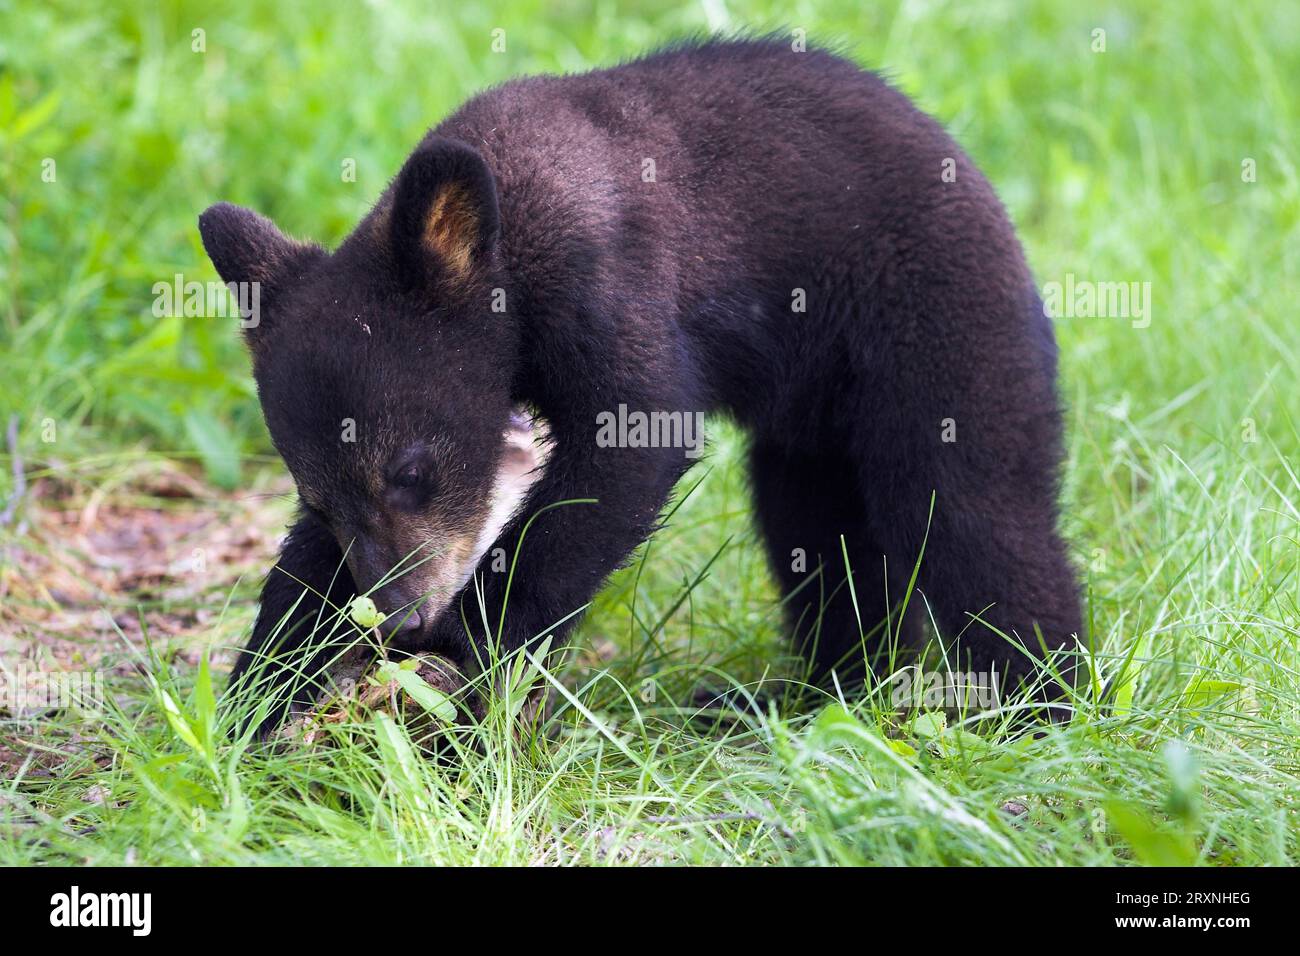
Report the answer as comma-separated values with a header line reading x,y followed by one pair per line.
x,y
385,372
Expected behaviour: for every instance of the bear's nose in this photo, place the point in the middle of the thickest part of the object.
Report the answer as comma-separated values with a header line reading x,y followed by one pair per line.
x,y
401,623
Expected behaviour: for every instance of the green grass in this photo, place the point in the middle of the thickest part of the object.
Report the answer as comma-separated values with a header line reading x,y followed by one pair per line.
x,y
1182,492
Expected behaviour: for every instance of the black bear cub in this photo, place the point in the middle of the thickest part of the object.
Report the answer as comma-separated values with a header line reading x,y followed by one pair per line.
x,y
725,226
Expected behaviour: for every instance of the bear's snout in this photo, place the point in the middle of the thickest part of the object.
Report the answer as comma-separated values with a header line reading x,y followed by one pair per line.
x,y
402,624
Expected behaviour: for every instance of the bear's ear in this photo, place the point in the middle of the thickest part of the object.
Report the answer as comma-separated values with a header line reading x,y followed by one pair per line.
x,y
246,248
445,217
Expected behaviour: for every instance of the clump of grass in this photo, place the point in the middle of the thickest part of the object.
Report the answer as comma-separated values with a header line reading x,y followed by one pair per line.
x,y
1178,750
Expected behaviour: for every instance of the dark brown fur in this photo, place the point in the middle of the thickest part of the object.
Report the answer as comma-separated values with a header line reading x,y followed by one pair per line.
x,y
776,171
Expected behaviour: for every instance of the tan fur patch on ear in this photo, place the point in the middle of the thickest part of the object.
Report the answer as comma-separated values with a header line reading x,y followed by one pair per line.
x,y
450,230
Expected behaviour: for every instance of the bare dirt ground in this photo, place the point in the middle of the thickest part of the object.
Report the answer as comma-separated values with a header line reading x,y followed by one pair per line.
x,y
100,566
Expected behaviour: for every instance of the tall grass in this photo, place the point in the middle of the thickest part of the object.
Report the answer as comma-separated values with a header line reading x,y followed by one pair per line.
x,y
1182,484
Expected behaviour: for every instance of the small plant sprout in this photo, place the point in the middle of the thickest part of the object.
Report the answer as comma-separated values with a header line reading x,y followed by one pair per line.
x,y
364,614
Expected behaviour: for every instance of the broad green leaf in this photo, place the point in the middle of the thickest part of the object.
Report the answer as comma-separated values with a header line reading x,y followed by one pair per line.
x,y
901,748
1151,845
1201,692
428,697
955,740
928,725
217,447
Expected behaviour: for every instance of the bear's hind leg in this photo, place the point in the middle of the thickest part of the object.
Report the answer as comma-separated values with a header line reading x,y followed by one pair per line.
x,y
804,504
961,365
991,564
1008,577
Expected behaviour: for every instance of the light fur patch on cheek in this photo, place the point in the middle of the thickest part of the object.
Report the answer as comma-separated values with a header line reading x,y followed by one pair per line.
x,y
521,467
461,562
454,559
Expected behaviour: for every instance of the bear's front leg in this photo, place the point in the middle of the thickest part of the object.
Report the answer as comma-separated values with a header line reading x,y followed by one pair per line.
x,y
279,671
568,550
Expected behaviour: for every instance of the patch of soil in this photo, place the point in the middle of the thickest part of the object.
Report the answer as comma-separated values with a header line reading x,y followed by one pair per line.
x,y
159,546
97,560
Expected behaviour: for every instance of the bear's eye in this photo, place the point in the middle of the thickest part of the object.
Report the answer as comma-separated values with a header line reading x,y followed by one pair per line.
x,y
408,476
